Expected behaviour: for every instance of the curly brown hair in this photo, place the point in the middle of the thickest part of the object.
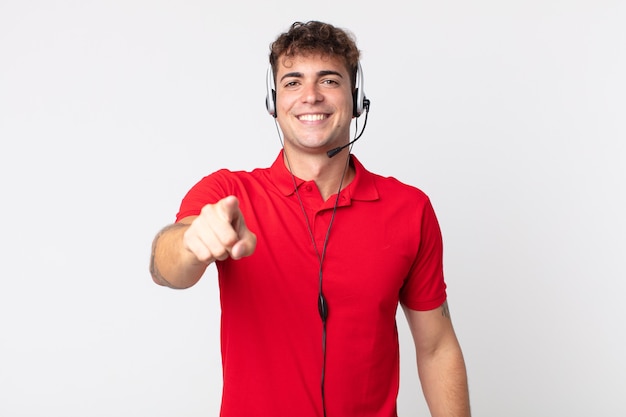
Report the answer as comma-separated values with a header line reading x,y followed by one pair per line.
x,y
314,37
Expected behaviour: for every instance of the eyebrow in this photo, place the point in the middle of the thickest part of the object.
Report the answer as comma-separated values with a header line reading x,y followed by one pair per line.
x,y
319,74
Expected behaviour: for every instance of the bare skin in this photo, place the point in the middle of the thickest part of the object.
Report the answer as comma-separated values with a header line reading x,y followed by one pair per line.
x,y
181,252
440,362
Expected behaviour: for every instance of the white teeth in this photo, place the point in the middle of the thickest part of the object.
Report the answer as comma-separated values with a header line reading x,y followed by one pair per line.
x,y
311,117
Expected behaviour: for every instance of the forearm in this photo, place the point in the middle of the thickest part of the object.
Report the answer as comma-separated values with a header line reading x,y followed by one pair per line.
x,y
444,381
171,264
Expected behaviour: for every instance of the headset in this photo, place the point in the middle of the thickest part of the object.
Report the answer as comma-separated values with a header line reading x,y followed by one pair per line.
x,y
359,100
360,104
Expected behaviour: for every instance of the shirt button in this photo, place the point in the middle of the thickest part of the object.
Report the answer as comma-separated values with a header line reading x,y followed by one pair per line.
x,y
308,188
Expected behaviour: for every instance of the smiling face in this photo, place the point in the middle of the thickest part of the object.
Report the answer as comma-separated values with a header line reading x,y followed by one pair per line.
x,y
313,102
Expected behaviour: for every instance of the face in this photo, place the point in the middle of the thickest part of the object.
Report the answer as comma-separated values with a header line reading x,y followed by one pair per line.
x,y
313,102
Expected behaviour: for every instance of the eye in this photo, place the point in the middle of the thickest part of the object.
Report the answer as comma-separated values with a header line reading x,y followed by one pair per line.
x,y
330,82
291,84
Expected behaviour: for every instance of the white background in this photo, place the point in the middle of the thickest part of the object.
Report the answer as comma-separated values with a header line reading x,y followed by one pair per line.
x,y
509,114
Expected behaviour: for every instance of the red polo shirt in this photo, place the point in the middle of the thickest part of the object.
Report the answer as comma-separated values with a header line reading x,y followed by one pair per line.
x,y
384,247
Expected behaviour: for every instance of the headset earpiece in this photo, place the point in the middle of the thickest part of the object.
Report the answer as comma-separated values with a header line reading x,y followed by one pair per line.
x,y
270,99
358,97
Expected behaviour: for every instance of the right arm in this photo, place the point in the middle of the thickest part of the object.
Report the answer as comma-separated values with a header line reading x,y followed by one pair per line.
x,y
182,251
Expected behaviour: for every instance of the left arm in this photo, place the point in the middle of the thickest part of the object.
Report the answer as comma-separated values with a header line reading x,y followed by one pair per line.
x,y
440,362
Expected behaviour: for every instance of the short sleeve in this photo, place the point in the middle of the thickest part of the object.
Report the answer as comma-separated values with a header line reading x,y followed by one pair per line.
x,y
425,288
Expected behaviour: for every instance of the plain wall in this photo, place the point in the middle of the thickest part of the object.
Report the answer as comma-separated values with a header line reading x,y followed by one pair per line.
x,y
509,115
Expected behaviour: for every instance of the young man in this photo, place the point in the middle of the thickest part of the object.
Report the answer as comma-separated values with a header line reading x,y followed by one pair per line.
x,y
314,254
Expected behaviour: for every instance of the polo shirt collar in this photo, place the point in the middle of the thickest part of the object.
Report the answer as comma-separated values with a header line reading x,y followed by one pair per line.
x,y
362,187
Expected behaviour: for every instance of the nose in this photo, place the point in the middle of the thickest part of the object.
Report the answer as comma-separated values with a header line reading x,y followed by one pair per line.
x,y
311,93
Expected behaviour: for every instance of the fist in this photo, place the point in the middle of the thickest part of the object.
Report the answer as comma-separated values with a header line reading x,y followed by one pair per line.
x,y
220,232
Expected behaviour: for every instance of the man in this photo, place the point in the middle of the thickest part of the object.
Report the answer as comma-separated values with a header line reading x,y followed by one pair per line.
x,y
314,254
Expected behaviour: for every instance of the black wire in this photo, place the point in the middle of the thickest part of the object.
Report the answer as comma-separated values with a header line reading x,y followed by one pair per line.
x,y
322,304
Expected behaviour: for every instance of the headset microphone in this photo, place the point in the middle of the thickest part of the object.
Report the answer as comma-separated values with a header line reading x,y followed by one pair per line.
x,y
335,151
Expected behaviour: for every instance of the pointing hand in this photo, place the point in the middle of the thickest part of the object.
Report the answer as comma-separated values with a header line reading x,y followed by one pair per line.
x,y
220,232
